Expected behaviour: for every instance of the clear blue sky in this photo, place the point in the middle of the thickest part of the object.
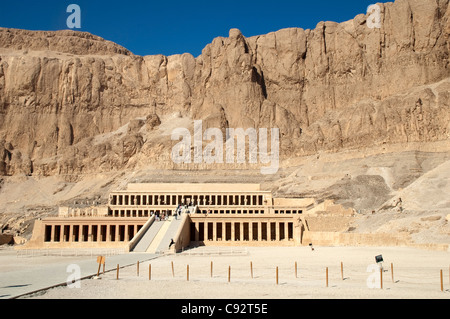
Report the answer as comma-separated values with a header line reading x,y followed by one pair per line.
x,y
174,27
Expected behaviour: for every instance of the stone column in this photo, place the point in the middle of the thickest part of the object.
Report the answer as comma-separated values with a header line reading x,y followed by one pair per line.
x,y
90,235
81,236
197,231
61,234
277,231
205,231
73,233
241,231
70,233
108,233
299,233
52,233
224,231
286,231
250,231
80,233
233,232
117,233
99,233
214,231
125,235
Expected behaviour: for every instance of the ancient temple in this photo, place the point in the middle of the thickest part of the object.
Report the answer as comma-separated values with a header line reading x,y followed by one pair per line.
x,y
165,216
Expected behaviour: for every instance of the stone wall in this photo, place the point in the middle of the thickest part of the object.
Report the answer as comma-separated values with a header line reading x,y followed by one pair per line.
x,y
182,238
323,238
328,223
366,239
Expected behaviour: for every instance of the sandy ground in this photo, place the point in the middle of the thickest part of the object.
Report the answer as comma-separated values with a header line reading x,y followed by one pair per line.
x,y
416,275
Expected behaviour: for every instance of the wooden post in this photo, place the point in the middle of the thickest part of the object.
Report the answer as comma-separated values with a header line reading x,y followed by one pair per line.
x,y
173,272
211,269
295,269
342,271
137,268
117,275
326,276
150,272
392,272
381,277
98,271
251,270
277,275
229,273
442,281
187,272
100,261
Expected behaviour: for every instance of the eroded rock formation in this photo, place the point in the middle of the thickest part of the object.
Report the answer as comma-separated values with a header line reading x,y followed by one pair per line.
x,y
66,96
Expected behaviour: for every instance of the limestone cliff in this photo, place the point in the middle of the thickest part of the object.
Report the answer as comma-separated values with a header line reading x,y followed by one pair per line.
x,y
73,103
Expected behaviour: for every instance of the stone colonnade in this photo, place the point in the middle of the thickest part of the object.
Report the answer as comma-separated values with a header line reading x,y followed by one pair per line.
x,y
89,231
170,199
241,230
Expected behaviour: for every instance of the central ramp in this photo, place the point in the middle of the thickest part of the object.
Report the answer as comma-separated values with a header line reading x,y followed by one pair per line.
x,y
148,237
169,234
160,235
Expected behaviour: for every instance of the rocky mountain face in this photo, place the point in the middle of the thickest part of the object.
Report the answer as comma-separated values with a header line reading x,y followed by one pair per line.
x,y
73,103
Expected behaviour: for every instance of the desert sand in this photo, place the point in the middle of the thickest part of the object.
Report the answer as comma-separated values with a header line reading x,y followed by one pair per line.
x,y
416,275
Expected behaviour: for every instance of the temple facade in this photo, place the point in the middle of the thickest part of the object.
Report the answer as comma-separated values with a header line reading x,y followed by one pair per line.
x,y
162,216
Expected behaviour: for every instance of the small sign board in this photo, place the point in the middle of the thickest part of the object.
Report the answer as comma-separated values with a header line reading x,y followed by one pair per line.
x,y
379,259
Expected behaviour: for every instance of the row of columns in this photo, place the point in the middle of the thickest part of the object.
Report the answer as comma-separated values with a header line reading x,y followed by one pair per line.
x,y
138,213
69,233
171,199
261,227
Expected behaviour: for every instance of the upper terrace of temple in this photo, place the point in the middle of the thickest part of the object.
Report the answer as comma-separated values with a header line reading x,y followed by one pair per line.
x,y
161,194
